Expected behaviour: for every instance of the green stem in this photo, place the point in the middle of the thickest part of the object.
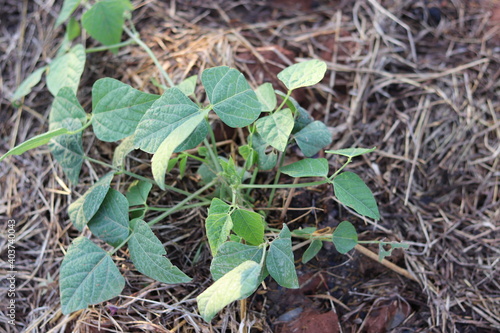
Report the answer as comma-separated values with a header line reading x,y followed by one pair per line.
x,y
121,245
276,186
108,47
276,178
289,92
164,209
211,150
82,128
146,48
136,176
330,179
180,204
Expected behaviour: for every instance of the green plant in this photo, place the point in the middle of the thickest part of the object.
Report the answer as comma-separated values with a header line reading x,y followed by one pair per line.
x,y
245,250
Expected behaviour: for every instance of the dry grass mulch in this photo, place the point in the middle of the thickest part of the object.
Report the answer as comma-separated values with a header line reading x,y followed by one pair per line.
x,y
420,82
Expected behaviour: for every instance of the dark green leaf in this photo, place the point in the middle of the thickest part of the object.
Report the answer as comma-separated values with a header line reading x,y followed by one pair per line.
x,y
353,192
82,210
110,222
309,167
312,250
280,263
232,98
312,138
117,109
148,255
88,276
345,237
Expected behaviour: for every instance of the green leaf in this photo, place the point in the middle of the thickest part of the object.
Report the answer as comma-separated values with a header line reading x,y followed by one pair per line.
x,y
218,224
312,138
73,29
28,83
351,152
267,97
353,192
167,113
88,276
233,99
280,262
248,225
84,208
67,9
276,128
230,255
303,74
65,106
265,161
188,86
34,142
182,166
137,193
159,162
117,109
249,154
110,222
309,167
66,70
148,255
68,151
312,250
238,284
122,150
382,252
345,237
104,20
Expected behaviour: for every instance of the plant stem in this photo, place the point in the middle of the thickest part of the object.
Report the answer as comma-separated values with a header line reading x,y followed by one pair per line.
x,y
150,53
276,186
120,246
164,209
108,47
276,178
330,179
136,176
180,204
289,92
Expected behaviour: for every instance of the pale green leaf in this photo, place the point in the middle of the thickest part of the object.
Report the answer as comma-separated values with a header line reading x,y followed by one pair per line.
x,y
232,98
345,237
188,86
276,128
28,83
110,222
280,262
302,117
122,150
309,167
168,112
88,276
238,284
353,192
383,252
137,193
313,137
303,74
267,96
117,109
312,250
84,208
159,162
230,255
351,152
104,20
248,225
34,142
218,224
148,255
66,70
67,9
